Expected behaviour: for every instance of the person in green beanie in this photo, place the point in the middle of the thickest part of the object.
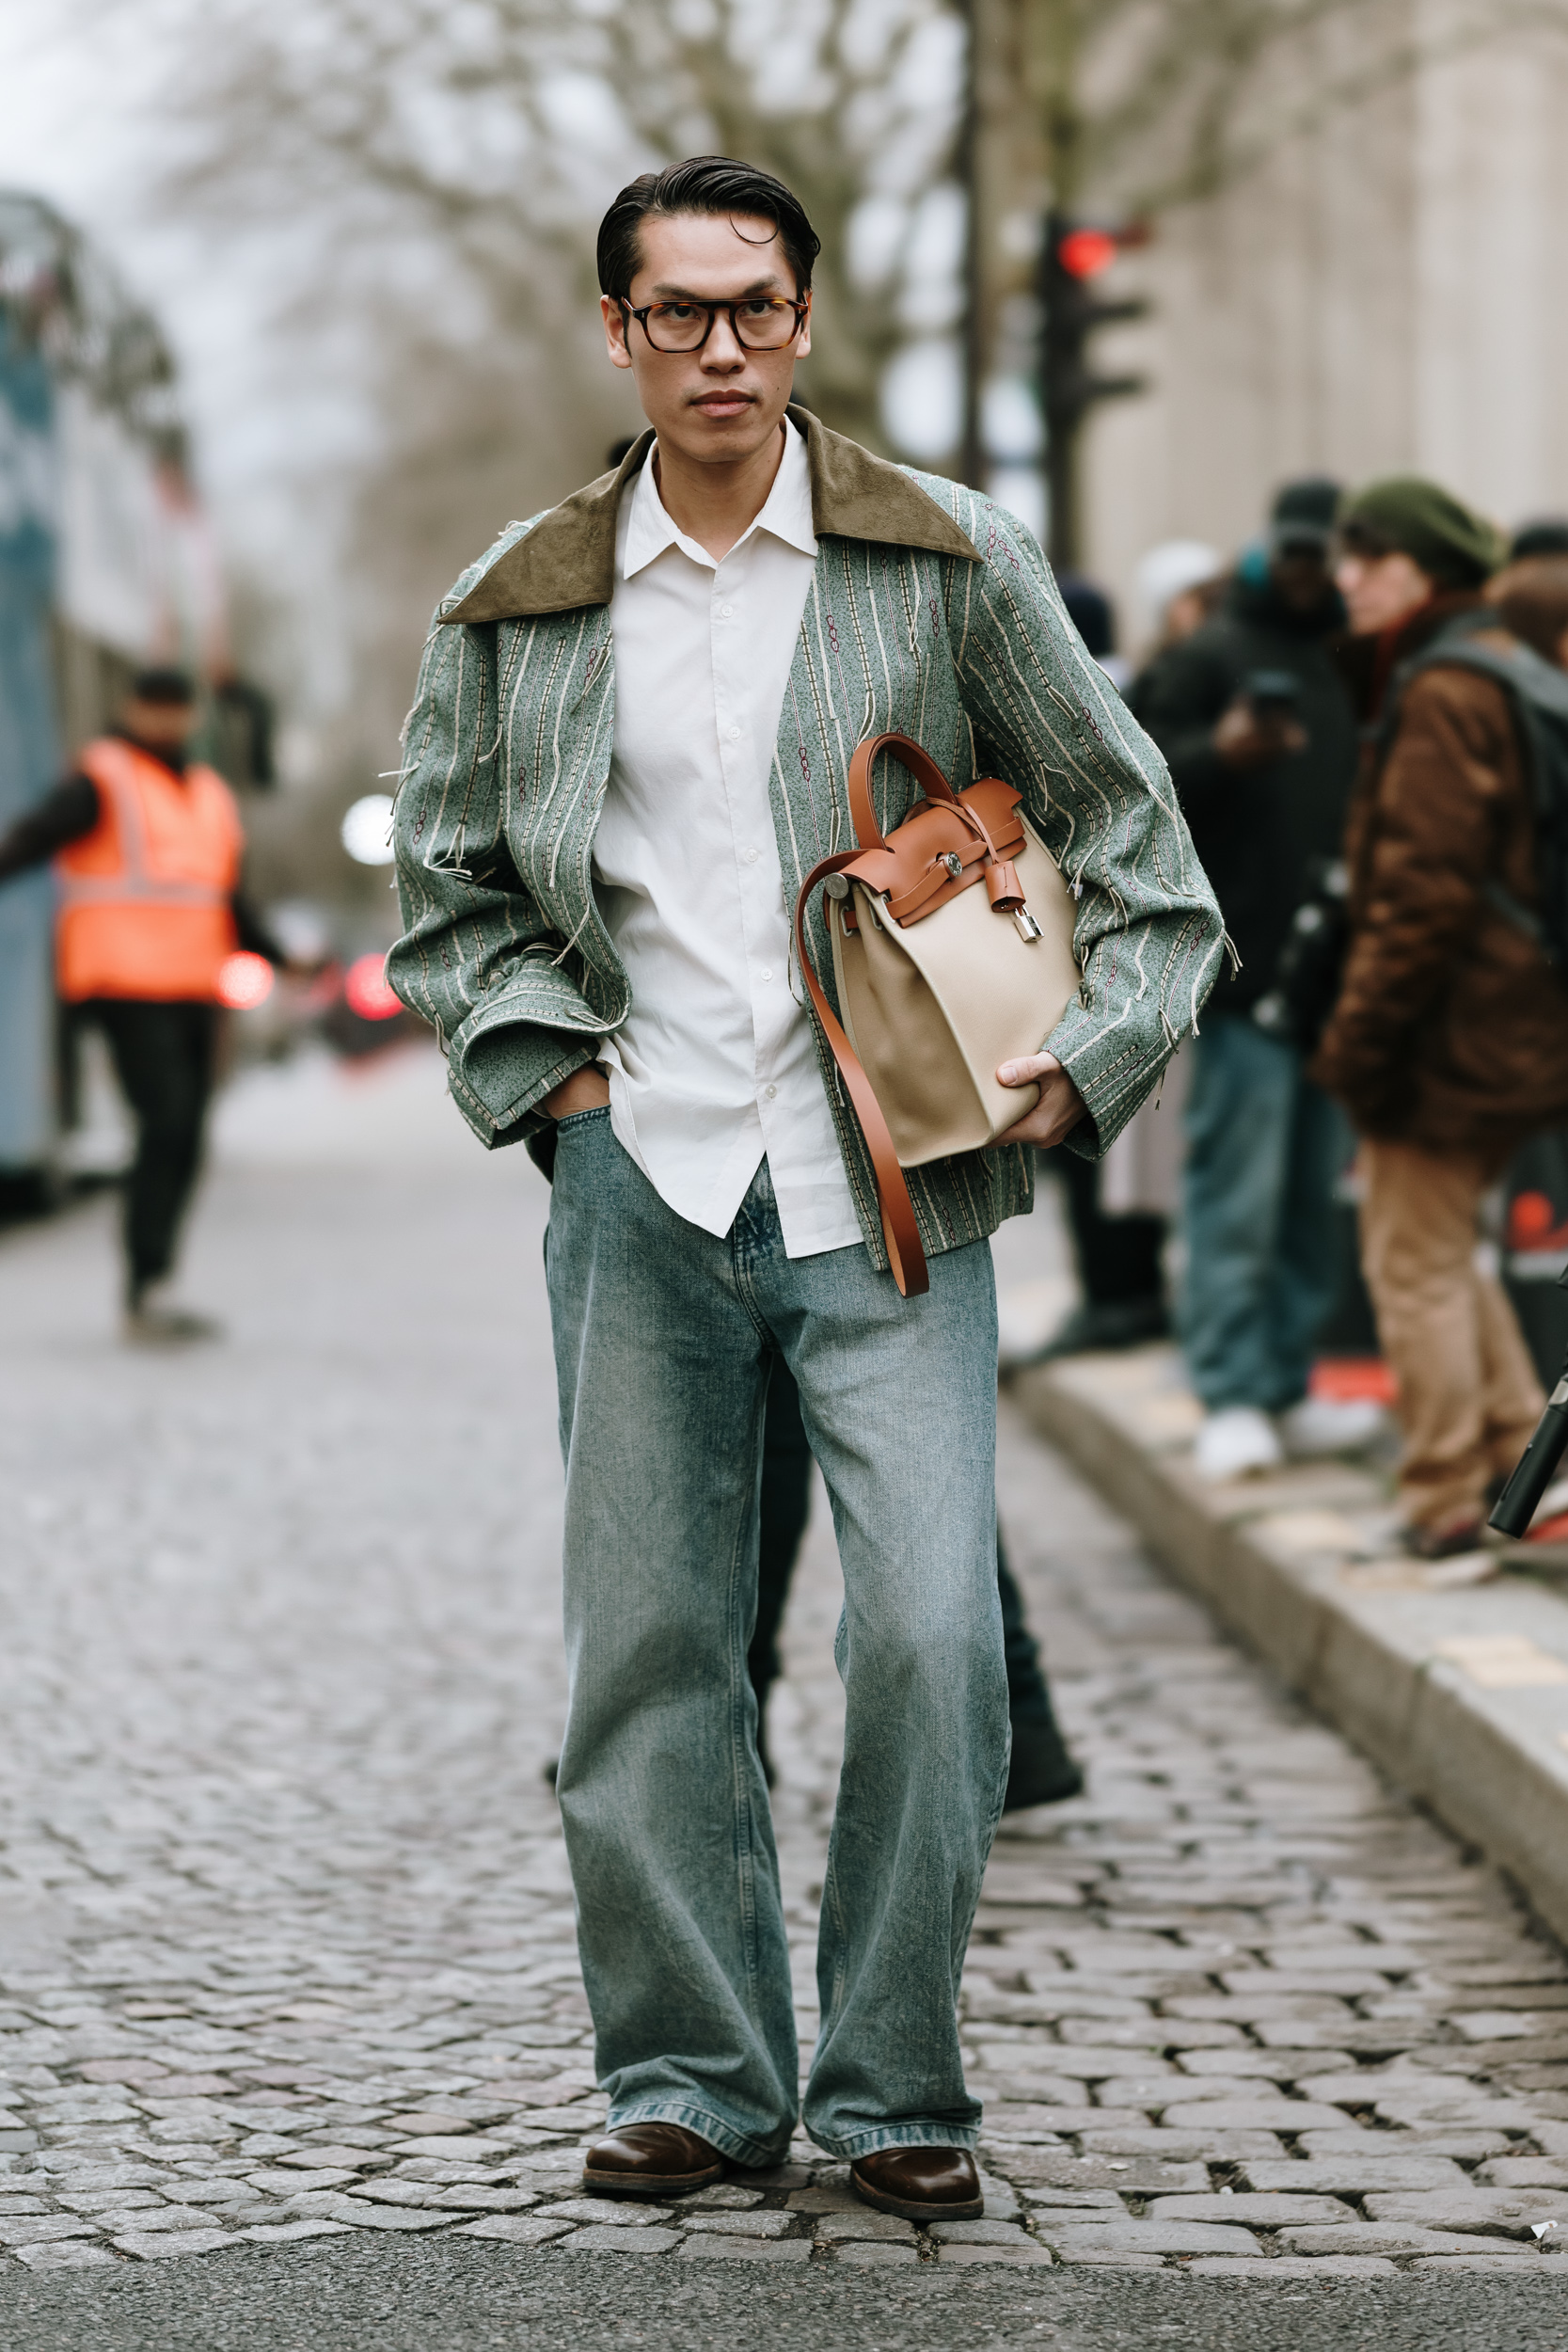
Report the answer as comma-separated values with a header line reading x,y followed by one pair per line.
x,y
1449,1044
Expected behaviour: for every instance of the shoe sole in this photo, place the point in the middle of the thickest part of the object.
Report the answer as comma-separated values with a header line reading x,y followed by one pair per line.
x,y
908,2209
651,2184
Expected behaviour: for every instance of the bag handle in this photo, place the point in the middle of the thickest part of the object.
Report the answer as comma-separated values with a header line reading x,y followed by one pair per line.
x,y
922,767
899,1229
1002,882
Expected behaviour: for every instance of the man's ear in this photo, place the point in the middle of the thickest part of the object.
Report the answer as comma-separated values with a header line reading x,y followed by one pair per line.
x,y
614,332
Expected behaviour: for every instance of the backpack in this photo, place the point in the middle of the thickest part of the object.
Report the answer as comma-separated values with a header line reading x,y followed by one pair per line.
x,y
1539,694
1297,1006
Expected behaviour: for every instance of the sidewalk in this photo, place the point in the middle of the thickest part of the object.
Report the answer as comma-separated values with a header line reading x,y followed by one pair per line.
x,y
287,1969
1453,1676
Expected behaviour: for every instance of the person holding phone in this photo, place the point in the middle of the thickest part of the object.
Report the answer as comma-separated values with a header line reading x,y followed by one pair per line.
x,y
1250,711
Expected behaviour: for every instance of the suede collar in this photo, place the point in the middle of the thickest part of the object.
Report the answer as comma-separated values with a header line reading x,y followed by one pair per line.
x,y
568,559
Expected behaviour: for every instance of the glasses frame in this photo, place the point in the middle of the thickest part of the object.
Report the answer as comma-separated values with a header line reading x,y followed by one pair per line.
x,y
799,304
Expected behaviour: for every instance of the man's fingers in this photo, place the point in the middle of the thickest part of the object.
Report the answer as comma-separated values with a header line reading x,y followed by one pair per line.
x,y
1026,1070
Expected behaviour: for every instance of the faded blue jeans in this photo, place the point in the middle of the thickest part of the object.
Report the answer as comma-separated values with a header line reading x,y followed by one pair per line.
x,y
664,1338
1264,1147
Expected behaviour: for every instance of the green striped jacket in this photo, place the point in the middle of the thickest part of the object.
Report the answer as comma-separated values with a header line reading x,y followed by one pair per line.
x,y
931,612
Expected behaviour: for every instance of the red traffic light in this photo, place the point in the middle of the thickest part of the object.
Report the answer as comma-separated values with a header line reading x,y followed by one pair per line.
x,y
1084,252
366,990
244,981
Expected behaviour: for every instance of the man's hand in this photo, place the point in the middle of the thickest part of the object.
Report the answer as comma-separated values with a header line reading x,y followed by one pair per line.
x,y
1058,1110
1245,737
586,1090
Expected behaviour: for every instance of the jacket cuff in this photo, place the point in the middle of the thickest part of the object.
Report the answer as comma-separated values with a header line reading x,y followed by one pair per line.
x,y
498,1078
1115,1068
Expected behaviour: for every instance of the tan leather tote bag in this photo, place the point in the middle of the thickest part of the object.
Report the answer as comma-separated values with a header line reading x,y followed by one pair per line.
x,y
952,945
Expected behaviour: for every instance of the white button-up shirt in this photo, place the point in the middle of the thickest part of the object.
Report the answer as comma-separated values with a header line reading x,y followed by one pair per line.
x,y
715,1064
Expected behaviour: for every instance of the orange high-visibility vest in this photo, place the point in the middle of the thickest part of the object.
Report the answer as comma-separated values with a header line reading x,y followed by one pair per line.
x,y
144,898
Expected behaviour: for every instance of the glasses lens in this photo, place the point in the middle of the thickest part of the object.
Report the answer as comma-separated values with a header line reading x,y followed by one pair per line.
x,y
676,326
766,326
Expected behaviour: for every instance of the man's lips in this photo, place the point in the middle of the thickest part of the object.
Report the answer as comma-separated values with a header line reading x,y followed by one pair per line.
x,y
724,403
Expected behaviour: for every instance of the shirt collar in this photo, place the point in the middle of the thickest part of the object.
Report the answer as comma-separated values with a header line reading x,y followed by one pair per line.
x,y
785,513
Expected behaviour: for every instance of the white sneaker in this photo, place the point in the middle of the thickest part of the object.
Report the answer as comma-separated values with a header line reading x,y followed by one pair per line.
x,y
1329,1425
157,1318
1236,1442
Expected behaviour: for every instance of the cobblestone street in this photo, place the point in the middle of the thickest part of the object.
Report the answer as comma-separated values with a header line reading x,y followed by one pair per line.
x,y
286,1942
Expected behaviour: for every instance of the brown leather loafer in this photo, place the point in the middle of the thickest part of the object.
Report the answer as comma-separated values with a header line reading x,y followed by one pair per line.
x,y
921,2184
651,2159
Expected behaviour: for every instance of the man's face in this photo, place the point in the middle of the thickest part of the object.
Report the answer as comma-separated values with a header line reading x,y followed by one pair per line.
x,y
719,406
1380,590
1299,574
163,727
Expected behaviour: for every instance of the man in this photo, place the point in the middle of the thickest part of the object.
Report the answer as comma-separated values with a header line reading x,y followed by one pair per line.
x,y
1448,1044
147,845
630,741
1251,714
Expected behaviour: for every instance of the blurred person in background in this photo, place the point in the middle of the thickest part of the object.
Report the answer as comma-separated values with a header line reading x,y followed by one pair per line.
x,y
1546,536
1251,713
610,970
1448,1042
1093,615
1119,1260
1179,583
1530,597
147,846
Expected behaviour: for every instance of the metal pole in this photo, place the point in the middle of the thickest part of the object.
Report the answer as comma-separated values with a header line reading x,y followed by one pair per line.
x,y
972,461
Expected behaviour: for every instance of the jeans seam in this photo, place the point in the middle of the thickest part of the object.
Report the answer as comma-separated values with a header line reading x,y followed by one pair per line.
x,y
744,1826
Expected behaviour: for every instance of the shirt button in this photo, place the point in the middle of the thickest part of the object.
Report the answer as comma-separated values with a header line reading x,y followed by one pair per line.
x,y
725,612
751,856
734,734
768,1092
767,973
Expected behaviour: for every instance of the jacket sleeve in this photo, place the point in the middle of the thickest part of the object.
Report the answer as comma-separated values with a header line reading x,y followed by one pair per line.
x,y
63,816
1045,715
477,959
1428,846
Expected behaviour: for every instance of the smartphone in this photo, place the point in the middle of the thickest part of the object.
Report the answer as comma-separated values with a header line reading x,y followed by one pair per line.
x,y
1273,694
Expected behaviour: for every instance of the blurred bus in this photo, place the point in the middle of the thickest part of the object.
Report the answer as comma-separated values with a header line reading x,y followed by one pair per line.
x,y
106,563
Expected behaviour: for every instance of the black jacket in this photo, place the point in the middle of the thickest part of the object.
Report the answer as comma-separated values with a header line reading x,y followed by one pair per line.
x,y
1258,830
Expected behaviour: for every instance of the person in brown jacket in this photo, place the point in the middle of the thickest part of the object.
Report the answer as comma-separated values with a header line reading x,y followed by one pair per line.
x,y
1449,1044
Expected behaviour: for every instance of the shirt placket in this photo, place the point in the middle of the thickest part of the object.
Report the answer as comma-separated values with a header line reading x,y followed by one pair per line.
x,y
747,807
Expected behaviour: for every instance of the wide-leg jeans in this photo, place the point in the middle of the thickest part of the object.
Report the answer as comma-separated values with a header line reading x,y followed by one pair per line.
x,y
664,1338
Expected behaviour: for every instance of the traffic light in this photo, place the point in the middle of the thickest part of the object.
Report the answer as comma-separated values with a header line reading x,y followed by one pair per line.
x,y
1075,253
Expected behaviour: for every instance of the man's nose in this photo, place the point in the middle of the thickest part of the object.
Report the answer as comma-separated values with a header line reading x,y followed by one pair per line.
x,y
723,349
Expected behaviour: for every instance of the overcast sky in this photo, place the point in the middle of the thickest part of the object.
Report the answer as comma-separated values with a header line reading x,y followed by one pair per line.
x,y
79,126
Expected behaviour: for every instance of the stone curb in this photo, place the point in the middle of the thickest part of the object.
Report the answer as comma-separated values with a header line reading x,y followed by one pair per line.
x,y
1461,1694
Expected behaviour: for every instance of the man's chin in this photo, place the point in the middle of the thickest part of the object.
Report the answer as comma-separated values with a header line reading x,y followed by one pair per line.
x,y
700,433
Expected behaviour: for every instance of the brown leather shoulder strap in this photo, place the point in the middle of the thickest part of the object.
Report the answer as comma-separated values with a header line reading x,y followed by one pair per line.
x,y
899,1229
922,767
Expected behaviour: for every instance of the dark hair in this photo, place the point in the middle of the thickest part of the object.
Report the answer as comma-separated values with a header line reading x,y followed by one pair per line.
x,y
1547,536
163,685
1532,597
704,183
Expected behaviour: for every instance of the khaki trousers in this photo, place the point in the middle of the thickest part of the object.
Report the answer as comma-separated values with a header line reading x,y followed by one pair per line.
x,y
1469,1399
